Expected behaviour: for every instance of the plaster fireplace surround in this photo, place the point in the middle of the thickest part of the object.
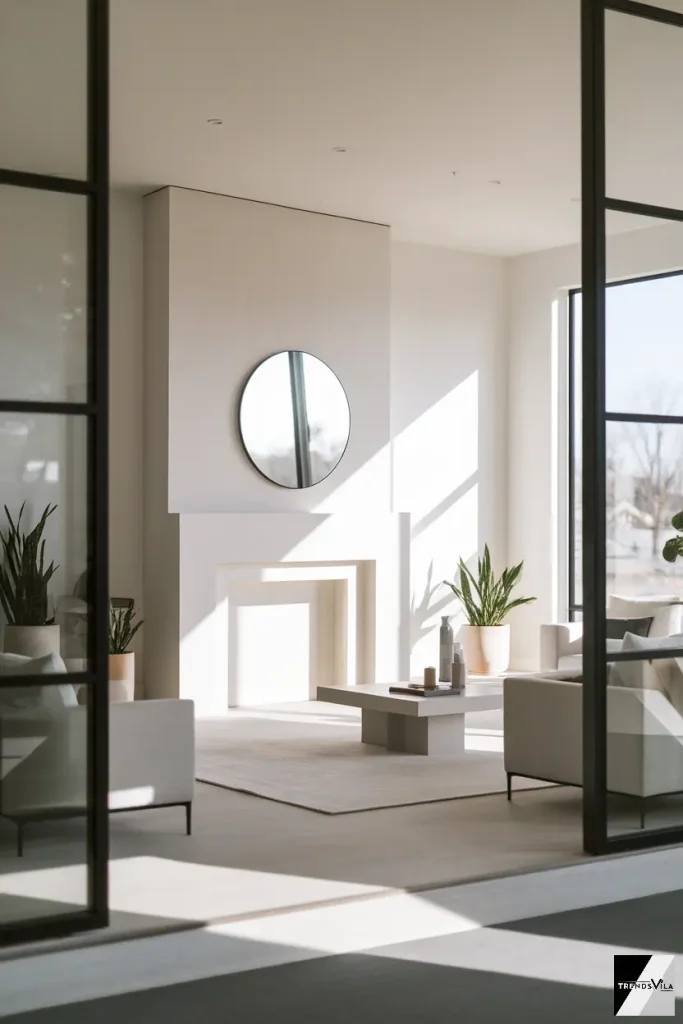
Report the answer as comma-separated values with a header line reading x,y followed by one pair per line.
x,y
256,593
273,605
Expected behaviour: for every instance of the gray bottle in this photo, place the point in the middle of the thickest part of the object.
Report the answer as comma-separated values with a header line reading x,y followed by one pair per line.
x,y
459,672
445,649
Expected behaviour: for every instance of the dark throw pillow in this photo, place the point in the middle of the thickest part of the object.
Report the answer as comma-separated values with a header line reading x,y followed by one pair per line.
x,y
617,628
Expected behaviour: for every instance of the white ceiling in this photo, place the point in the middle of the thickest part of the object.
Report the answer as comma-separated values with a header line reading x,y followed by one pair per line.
x,y
415,90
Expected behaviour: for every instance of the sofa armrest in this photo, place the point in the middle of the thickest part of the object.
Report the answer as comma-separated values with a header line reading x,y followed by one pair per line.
x,y
558,641
151,753
542,728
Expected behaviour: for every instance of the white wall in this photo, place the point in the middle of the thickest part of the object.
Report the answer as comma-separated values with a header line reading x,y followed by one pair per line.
x,y
161,530
247,280
537,464
417,335
126,382
449,415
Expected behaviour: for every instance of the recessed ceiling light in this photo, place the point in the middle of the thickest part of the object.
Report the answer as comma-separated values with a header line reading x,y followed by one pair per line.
x,y
214,120
339,149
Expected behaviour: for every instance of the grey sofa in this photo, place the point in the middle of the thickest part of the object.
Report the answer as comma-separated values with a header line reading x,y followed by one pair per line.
x,y
44,765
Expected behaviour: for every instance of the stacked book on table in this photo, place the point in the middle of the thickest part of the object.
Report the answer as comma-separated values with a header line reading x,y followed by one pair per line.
x,y
420,690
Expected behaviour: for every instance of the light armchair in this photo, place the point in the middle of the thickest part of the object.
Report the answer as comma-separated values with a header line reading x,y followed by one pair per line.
x,y
43,754
543,736
562,646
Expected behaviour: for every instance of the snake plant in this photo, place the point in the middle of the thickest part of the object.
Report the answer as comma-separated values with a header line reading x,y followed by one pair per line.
x,y
122,629
24,577
485,599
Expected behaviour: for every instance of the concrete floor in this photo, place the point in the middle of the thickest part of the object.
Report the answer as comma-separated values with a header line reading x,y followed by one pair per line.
x,y
250,856
472,952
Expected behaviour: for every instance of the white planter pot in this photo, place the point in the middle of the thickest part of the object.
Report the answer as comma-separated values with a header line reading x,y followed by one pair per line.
x,y
31,641
486,649
122,676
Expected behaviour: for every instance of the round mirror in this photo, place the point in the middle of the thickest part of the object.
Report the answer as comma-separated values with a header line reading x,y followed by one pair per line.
x,y
294,419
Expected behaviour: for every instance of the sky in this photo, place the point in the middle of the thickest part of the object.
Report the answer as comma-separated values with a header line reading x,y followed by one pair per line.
x,y
644,344
644,367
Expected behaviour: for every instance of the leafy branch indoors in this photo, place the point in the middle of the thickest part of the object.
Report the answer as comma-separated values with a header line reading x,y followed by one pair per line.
x,y
122,629
485,599
24,577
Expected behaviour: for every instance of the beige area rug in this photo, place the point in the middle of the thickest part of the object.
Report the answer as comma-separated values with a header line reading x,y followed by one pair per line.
x,y
310,755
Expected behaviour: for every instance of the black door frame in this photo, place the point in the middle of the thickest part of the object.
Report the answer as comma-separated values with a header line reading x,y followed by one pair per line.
x,y
596,203
95,188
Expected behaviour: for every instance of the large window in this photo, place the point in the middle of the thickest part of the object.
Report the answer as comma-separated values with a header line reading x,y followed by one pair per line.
x,y
644,449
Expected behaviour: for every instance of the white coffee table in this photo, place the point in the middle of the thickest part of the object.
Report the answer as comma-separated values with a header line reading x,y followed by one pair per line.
x,y
413,725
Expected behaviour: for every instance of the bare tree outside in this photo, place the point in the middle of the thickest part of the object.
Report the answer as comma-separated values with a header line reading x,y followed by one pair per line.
x,y
644,490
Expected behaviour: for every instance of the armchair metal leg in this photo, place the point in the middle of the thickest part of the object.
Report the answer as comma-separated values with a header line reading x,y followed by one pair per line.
x,y
188,818
509,775
20,839
642,812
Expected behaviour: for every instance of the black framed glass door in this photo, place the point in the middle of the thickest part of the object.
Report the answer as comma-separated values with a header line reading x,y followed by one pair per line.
x,y
54,208
631,428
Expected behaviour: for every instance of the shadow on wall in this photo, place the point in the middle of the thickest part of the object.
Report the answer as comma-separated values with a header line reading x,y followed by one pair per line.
x,y
436,480
437,474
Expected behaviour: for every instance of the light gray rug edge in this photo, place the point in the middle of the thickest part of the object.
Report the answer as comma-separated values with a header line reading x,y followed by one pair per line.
x,y
522,787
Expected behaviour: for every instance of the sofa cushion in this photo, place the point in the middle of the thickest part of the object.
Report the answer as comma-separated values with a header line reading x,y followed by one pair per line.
x,y
618,628
54,697
663,674
569,662
666,611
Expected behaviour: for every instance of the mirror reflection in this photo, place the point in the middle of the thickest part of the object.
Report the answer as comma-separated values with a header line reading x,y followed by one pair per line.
x,y
294,419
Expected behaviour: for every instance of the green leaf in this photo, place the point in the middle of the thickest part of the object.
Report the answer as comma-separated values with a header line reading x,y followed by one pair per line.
x,y
673,549
485,599
23,577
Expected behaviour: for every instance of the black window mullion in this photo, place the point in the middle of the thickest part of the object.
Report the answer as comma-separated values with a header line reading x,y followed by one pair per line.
x,y
47,408
644,209
593,258
73,678
649,12
45,182
96,191
571,461
98,454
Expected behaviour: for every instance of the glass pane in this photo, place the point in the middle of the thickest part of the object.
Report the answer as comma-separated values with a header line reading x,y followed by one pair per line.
x,y
644,342
43,797
44,614
644,490
645,741
43,84
43,292
644,122
644,316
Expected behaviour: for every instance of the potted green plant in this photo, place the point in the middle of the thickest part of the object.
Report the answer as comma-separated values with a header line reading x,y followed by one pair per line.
x,y
486,602
122,629
24,582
